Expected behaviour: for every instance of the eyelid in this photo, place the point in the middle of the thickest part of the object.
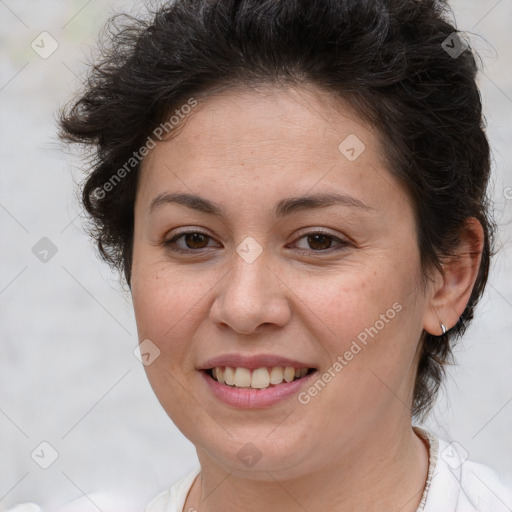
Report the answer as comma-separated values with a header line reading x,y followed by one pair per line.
x,y
311,230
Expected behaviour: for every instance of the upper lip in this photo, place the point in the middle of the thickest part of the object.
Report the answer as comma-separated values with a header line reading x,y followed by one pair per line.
x,y
252,362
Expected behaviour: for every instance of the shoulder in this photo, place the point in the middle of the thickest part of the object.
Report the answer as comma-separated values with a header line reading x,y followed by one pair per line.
x,y
25,507
160,503
92,502
173,499
484,489
463,485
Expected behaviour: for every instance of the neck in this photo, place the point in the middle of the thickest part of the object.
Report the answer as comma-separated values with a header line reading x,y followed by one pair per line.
x,y
386,471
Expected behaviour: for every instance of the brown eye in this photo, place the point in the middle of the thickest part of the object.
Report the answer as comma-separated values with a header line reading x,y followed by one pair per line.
x,y
319,241
189,241
195,240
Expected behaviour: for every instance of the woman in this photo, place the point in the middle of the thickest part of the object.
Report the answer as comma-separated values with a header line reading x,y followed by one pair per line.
x,y
296,195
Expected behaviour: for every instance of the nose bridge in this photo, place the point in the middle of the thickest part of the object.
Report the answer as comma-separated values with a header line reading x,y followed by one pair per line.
x,y
248,285
249,263
250,295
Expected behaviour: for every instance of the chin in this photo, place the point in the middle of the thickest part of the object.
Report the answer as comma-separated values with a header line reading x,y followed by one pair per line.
x,y
254,452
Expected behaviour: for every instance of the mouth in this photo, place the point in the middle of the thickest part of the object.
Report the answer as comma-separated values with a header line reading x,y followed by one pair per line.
x,y
255,381
257,378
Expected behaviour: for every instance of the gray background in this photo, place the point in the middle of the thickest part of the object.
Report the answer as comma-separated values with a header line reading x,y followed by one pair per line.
x,y
68,375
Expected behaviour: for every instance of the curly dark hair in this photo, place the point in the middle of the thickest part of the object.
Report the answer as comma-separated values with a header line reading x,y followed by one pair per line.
x,y
401,64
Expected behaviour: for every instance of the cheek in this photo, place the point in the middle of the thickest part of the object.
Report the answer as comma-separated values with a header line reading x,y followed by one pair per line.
x,y
161,298
369,316
170,305
166,311
347,302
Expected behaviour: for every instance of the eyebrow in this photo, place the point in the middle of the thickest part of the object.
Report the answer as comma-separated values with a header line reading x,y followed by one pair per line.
x,y
283,208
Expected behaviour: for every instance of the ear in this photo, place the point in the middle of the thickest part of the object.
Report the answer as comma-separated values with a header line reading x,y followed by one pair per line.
x,y
452,287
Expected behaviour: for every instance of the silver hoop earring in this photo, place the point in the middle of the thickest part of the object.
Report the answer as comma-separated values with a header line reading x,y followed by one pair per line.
x,y
443,328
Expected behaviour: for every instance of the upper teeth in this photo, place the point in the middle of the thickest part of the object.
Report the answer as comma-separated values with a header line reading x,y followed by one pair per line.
x,y
259,378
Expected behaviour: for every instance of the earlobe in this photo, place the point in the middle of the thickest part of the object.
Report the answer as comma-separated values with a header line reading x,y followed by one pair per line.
x,y
452,287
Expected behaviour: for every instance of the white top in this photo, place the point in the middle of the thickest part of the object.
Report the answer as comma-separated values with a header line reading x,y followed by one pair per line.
x,y
454,484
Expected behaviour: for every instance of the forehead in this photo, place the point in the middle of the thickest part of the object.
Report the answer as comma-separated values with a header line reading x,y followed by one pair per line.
x,y
266,139
232,122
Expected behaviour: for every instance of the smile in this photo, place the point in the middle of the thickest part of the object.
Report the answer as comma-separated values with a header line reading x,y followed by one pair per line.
x,y
256,388
258,378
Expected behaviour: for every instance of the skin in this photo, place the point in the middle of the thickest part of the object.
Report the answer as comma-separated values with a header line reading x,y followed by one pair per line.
x,y
352,446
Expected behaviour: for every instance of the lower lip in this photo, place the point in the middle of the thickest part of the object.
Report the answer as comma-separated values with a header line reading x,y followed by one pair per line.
x,y
247,398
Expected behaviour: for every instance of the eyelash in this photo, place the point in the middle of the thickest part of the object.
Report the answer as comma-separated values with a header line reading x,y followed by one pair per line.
x,y
342,244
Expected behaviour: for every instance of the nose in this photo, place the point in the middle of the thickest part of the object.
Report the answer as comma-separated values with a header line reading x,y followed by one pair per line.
x,y
251,295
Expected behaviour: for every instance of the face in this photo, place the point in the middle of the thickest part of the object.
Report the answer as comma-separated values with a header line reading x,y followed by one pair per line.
x,y
233,266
